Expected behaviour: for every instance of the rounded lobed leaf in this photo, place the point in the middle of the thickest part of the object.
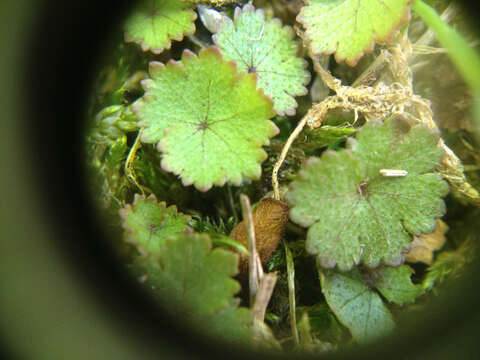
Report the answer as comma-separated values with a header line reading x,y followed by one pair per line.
x,y
148,223
209,121
156,22
196,284
268,50
355,214
194,277
393,145
349,28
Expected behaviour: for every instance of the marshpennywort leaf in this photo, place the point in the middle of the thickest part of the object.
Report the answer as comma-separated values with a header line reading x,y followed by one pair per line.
x,y
195,282
209,121
357,215
267,49
349,28
155,23
148,223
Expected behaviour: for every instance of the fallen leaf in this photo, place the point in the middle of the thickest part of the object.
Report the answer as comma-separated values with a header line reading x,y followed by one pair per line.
x,y
424,245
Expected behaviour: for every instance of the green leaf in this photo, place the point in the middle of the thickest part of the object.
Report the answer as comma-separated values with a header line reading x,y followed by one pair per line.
x,y
323,136
195,284
148,223
356,306
107,150
355,214
268,50
232,325
156,22
115,120
396,285
107,157
349,28
193,277
210,125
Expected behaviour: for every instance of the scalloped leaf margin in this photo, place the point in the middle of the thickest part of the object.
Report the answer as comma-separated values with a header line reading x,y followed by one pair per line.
x,y
356,215
196,283
267,49
350,28
148,223
209,121
156,22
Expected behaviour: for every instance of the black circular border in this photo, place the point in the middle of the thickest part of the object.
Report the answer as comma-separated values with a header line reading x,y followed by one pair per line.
x,y
64,52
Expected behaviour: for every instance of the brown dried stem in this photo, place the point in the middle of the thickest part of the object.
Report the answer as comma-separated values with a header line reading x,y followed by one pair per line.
x,y
261,333
253,259
264,293
261,285
283,154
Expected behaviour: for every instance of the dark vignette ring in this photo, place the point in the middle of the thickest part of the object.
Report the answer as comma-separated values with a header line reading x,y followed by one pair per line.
x,y
64,52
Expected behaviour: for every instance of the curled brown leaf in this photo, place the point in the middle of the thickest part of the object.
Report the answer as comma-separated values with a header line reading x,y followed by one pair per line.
x,y
424,245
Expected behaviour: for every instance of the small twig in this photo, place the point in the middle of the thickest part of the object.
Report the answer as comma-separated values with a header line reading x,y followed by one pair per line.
x,y
314,115
261,285
261,333
260,272
265,290
331,81
453,171
283,155
252,252
427,50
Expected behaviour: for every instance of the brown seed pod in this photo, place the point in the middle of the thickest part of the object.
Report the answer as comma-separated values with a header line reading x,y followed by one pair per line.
x,y
269,220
